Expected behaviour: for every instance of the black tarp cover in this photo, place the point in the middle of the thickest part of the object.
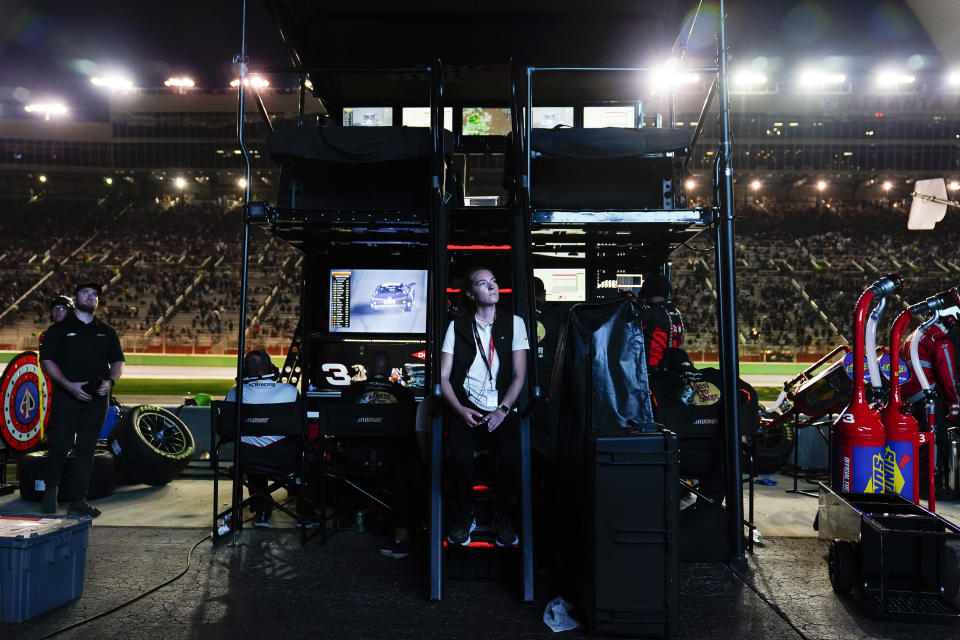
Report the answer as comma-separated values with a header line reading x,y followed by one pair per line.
x,y
607,142
605,367
386,33
353,145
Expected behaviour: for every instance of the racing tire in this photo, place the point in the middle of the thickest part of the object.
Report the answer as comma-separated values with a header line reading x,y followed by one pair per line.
x,y
841,561
951,572
102,477
773,447
152,446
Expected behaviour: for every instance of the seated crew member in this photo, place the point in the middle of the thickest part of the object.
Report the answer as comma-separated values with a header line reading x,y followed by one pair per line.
x,y
380,389
482,369
938,361
261,387
659,330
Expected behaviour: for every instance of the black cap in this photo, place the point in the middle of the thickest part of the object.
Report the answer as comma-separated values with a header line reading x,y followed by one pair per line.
x,y
66,301
88,285
655,285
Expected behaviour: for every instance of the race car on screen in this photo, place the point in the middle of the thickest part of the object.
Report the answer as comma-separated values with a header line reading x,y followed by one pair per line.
x,y
393,295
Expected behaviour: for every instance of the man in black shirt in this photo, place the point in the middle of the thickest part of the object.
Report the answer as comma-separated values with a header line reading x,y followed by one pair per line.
x,y
83,357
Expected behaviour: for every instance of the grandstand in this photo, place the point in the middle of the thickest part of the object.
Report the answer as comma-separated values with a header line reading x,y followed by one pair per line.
x,y
171,273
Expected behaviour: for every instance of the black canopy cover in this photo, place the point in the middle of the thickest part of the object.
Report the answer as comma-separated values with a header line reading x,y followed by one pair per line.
x,y
387,33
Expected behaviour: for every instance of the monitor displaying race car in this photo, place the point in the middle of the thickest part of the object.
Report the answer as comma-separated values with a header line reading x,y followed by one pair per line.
x,y
378,301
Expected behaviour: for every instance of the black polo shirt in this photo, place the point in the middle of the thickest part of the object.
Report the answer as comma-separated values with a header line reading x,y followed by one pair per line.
x,y
82,351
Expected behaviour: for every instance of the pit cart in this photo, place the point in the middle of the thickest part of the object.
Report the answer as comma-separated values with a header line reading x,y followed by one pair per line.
x,y
902,557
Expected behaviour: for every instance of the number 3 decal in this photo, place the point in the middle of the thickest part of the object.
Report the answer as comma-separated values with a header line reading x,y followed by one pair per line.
x,y
338,374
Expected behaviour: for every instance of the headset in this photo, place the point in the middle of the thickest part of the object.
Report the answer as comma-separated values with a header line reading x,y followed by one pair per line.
x,y
273,373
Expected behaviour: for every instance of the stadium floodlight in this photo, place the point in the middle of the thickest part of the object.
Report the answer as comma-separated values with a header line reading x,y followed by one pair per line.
x,y
953,79
47,109
812,78
180,182
252,81
887,78
929,204
748,78
755,185
181,82
670,75
115,82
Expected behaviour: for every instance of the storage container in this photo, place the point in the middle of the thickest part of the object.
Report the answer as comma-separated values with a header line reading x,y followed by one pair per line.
x,y
41,563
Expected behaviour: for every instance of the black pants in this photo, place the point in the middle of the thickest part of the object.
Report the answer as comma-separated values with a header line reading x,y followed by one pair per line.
x,y
262,463
74,421
941,439
408,511
464,440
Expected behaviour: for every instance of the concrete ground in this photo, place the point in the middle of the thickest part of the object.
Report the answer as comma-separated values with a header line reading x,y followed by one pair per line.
x,y
269,585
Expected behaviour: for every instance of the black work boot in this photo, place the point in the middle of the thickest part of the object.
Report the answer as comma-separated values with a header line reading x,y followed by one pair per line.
x,y
50,505
81,507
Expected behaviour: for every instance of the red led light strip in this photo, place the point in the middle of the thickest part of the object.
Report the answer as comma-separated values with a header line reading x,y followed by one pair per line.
x,y
457,290
479,247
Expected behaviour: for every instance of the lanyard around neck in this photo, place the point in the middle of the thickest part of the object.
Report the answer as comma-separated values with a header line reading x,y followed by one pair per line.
x,y
483,356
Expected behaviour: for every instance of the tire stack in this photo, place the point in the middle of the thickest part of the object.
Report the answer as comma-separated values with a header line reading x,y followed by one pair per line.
x,y
32,467
152,446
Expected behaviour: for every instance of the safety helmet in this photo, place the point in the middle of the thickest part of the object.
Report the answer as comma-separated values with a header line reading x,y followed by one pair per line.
x,y
61,299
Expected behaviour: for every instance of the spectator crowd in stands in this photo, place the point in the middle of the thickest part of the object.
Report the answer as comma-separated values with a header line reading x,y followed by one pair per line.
x,y
172,271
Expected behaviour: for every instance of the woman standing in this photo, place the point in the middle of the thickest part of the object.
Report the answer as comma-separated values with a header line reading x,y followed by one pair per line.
x,y
483,363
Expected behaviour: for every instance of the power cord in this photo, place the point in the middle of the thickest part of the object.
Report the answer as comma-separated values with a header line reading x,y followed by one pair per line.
x,y
131,601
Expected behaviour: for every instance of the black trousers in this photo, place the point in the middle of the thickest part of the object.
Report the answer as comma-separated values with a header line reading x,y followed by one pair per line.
x,y
262,463
72,422
941,439
464,440
410,485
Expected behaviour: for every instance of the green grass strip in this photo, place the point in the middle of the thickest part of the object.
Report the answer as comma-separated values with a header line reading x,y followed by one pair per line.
x,y
159,359
165,387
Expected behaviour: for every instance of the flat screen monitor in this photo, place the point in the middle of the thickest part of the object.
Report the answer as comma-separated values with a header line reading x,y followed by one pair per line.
x,y
563,285
388,301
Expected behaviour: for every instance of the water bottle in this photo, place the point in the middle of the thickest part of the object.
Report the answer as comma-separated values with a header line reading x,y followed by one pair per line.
x,y
361,528
225,523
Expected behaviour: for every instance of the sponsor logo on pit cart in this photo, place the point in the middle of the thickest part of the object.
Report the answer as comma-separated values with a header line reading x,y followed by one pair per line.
x,y
848,367
898,468
700,394
885,368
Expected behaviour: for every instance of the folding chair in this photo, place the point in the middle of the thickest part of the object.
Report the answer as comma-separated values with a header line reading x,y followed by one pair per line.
x,y
374,425
285,419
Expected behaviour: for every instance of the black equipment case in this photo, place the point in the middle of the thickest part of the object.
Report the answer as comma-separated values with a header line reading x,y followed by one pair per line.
x,y
632,578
